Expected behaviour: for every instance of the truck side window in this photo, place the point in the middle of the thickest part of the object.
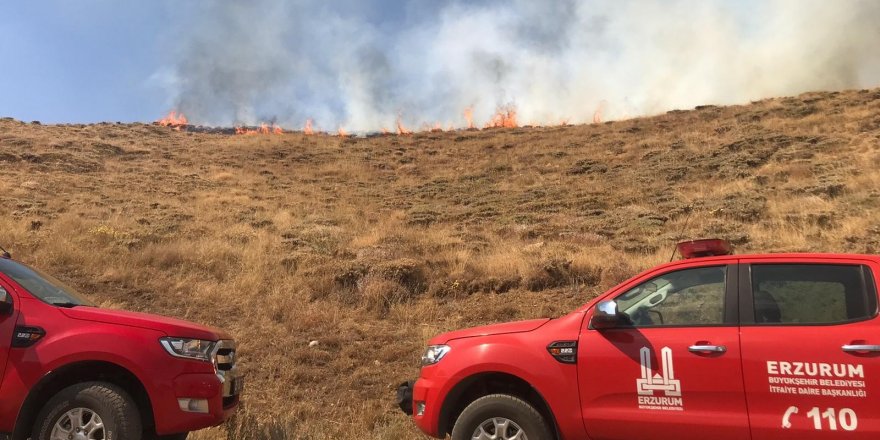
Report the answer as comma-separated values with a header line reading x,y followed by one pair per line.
x,y
681,298
799,294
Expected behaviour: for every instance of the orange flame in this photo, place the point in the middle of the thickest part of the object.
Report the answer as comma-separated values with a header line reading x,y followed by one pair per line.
x,y
401,130
505,117
597,115
342,132
264,129
469,117
385,131
437,127
173,119
308,128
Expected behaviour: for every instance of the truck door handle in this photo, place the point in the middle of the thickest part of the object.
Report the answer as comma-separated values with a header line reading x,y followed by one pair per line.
x,y
859,348
707,349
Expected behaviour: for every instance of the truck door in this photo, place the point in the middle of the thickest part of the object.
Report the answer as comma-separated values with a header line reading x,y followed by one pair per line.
x,y
810,344
672,370
7,323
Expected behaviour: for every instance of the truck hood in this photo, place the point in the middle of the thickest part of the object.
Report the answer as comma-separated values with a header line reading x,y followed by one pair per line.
x,y
169,326
487,330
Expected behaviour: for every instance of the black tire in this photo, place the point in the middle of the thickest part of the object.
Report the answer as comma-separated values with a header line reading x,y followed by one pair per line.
x,y
151,436
113,405
504,406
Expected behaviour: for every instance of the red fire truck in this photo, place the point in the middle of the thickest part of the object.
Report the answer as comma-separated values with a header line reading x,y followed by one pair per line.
x,y
69,370
776,346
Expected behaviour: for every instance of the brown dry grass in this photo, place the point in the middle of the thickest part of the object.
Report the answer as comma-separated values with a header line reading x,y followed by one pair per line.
x,y
371,246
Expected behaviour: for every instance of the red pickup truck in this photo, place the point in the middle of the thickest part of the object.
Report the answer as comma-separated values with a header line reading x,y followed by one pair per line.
x,y
73,371
779,346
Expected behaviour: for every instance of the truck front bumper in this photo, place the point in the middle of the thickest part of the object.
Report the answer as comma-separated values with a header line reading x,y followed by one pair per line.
x,y
200,400
420,399
203,399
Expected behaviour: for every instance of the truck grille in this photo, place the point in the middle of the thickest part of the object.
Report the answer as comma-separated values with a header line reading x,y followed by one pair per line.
x,y
224,359
227,371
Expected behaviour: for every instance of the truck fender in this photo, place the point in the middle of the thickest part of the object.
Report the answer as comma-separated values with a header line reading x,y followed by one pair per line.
x,y
74,372
508,361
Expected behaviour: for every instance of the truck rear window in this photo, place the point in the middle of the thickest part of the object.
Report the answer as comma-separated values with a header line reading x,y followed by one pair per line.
x,y
804,294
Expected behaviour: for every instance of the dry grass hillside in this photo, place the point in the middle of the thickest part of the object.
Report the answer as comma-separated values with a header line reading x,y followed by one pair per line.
x,y
371,246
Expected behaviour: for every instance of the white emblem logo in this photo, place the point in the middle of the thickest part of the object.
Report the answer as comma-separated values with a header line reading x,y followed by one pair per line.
x,y
666,382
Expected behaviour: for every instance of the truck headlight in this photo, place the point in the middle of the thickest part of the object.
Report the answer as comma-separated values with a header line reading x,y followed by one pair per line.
x,y
189,348
434,353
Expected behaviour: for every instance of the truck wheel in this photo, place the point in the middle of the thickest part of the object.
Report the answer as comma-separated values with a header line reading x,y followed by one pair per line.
x,y
89,410
501,417
181,436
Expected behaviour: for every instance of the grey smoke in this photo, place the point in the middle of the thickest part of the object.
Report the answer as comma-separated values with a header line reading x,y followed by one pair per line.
x,y
361,64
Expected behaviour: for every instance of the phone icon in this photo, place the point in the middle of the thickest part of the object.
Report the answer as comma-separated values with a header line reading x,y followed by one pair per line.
x,y
786,418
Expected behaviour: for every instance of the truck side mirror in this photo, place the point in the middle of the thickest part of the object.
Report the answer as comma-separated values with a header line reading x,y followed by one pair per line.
x,y
605,316
5,301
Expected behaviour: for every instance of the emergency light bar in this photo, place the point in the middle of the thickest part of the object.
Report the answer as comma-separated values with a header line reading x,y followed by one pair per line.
x,y
704,248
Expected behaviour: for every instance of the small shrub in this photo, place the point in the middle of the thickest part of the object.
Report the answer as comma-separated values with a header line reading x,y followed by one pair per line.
x,y
549,274
407,272
379,294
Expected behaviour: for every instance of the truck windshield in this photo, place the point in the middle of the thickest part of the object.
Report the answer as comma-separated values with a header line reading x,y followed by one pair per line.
x,y
43,286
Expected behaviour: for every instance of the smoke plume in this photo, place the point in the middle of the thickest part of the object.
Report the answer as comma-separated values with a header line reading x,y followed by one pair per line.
x,y
364,64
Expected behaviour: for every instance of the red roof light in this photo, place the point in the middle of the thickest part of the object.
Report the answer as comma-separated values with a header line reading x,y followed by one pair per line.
x,y
704,248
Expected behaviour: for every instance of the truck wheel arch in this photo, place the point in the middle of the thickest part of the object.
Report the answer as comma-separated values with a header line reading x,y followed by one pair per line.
x,y
83,371
482,384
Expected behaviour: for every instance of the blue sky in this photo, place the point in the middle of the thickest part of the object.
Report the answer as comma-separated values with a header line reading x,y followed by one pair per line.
x,y
82,61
